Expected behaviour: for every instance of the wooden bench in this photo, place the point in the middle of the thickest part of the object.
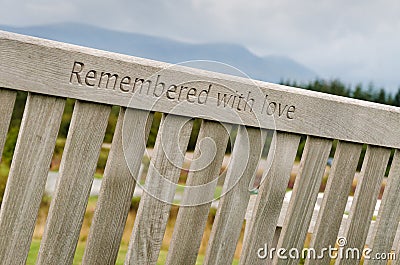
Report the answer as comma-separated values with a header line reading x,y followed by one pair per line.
x,y
52,71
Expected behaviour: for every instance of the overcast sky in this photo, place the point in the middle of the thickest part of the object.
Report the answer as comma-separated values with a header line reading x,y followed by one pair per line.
x,y
352,40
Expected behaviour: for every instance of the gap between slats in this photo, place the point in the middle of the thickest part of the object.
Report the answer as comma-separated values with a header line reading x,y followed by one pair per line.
x,y
199,192
368,186
335,198
118,184
155,204
78,165
304,196
270,197
233,203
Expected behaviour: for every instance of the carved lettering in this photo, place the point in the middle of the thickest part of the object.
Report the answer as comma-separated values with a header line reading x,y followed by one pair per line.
x,y
278,109
90,78
84,75
171,89
108,77
203,95
125,84
290,112
76,72
191,93
158,84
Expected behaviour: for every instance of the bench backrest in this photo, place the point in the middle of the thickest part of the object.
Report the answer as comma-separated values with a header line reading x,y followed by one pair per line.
x,y
52,71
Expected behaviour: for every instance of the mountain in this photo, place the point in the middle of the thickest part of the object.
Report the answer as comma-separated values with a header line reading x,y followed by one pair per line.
x,y
269,68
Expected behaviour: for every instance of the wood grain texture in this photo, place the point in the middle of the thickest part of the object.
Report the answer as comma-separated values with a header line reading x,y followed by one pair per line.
x,y
270,197
388,218
78,165
118,184
235,196
7,100
43,66
314,219
155,204
305,191
366,194
199,193
27,177
335,198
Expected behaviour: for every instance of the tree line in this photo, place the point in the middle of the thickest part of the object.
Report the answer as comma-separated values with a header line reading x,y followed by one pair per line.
x,y
337,87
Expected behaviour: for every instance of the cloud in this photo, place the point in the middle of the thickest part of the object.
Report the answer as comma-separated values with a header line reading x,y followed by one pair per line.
x,y
352,40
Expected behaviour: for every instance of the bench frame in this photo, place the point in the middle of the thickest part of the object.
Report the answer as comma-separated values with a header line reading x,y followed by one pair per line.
x,y
52,71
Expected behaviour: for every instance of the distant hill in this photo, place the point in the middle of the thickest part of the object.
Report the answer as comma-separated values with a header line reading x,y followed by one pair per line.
x,y
269,68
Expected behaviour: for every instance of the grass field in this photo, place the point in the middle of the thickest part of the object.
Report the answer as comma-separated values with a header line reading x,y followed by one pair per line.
x,y
43,212
120,260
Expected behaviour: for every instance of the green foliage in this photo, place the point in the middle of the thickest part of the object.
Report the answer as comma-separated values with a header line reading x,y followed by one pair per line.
x,y
101,163
135,203
66,118
10,145
154,129
336,87
4,170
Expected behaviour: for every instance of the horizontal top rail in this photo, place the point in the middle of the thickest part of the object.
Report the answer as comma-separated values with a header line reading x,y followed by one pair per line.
x,y
64,70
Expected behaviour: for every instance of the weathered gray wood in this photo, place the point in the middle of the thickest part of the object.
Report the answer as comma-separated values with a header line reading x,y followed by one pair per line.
x,y
270,197
368,186
199,193
305,191
314,220
78,165
118,184
155,204
7,100
28,174
235,196
54,68
335,198
389,214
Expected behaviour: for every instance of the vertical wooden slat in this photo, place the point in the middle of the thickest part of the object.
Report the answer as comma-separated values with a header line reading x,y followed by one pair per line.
x,y
118,184
362,208
335,198
28,174
7,101
389,214
233,204
78,165
155,204
304,196
270,197
191,220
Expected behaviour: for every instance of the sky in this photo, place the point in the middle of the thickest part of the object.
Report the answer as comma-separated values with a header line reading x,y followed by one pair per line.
x,y
355,41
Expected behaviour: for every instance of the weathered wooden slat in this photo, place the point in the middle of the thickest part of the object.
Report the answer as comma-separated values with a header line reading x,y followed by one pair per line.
x,y
28,174
335,198
270,197
366,194
235,196
199,193
54,68
118,184
78,165
7,100
305,191
155,204
389,214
